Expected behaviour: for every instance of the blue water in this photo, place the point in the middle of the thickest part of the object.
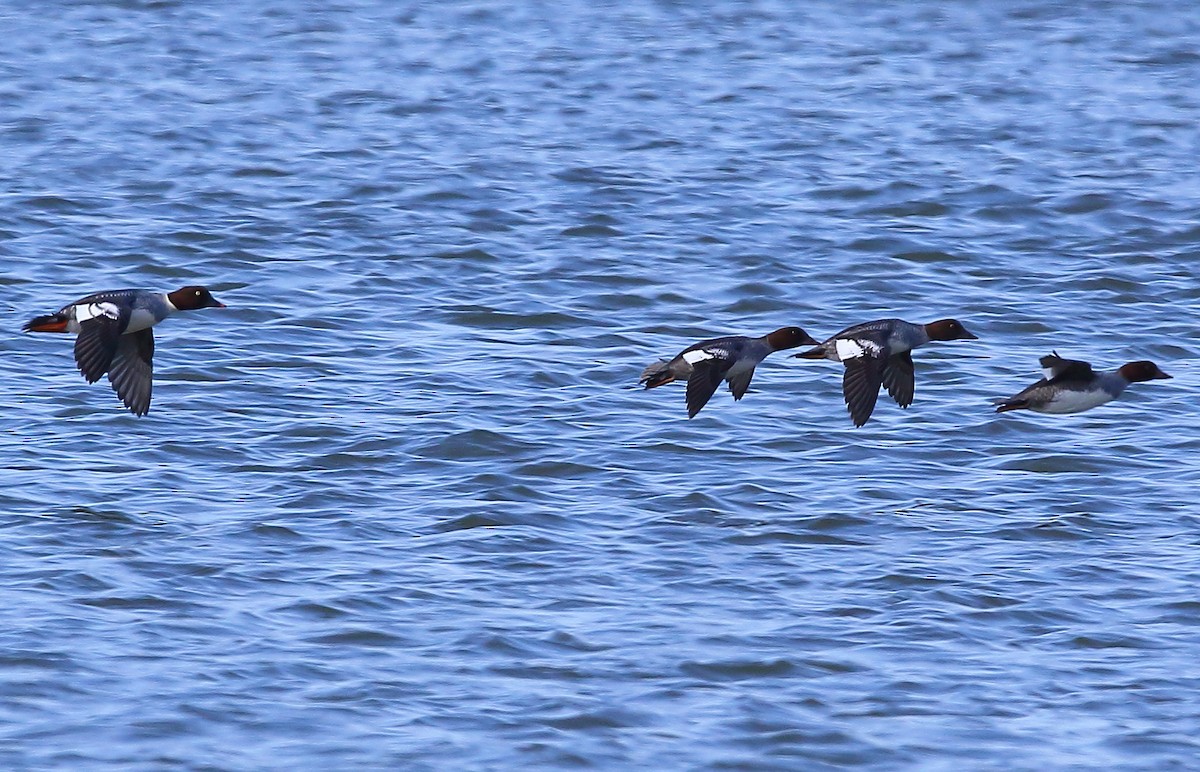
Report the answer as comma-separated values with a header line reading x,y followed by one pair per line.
x,y
402,504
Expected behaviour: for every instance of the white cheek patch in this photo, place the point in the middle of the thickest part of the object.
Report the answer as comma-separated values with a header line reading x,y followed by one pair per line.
x,y
848,348
92,310
699,355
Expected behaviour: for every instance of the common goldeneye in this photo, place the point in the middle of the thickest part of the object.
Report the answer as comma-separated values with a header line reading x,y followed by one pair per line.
x,y
114,337
733,358
879,354
1071,386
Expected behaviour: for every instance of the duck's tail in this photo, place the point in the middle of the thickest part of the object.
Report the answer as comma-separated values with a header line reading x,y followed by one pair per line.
x,y
812,353
657,374
50,323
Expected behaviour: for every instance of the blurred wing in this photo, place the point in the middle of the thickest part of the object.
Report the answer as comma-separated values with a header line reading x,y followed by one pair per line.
x,y
1055,367
132,370
898,378
739,383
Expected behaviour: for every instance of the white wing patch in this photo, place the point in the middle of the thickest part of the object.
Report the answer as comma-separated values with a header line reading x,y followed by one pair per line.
x,y
850,348
701,355
85,311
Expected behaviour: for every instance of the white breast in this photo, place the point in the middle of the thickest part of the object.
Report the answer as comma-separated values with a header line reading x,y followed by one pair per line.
x,y
140,319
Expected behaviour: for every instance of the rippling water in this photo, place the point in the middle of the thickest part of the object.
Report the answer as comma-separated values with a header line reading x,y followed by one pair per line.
x,y
402,505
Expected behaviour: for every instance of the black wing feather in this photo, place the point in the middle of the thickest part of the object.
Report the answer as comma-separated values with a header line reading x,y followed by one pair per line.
x,y
703,383
898,378
860,387
1066,369
739,383
132,370
96,344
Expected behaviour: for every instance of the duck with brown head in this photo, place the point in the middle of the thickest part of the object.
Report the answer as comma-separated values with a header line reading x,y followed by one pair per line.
x,y
193,298
1072,386
879,355
732,358
114,338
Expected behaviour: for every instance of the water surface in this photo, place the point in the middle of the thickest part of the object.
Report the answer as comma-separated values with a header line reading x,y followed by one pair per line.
x,y
402,504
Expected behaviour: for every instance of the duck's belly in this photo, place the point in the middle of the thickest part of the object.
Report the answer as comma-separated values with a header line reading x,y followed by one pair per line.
x,y
1075,401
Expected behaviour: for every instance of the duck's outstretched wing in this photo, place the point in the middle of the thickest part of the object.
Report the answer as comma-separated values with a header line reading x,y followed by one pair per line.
x,y
898,378
739,383
100,328
864,353
709,365
132,370
1057,369
860,387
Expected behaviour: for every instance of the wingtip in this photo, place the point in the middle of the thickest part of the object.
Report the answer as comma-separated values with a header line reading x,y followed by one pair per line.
x,y
138,403
90,378
861,384
858,416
